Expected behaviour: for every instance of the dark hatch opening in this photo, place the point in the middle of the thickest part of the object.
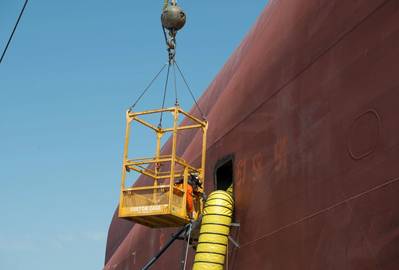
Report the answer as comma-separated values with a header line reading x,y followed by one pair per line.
x,y
224,174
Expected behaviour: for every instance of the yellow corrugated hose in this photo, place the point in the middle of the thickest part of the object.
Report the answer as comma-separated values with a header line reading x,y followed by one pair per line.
x,y
215,229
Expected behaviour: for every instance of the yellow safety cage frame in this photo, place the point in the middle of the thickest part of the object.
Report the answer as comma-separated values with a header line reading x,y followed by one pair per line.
x,y
159,204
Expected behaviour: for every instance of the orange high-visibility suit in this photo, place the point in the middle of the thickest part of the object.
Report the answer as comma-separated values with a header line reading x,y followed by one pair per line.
x,y
190,202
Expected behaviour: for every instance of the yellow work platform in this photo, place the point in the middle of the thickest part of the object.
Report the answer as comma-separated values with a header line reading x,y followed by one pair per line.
x,y
157,200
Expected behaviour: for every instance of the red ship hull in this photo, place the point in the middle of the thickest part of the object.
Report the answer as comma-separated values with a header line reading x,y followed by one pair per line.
x,y
307,107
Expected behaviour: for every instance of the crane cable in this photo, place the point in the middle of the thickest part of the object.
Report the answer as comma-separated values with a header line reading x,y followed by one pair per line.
x,y
191,92
170,40
164,96
147,88
174,65
13,31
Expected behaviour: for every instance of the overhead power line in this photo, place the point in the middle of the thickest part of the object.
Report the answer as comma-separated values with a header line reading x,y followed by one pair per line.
x,y
13,31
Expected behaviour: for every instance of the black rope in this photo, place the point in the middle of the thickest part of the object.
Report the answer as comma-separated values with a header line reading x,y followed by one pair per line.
x,y
166,247
175,84
189,89
148,87
164,96
13,31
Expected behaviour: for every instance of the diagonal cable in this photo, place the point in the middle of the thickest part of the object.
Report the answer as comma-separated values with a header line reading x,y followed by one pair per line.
x,y
189,89
175,84
148,87
13,31
188,245
164,96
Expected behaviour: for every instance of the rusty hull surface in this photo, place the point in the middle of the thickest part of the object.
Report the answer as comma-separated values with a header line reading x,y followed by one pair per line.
x,y
309,107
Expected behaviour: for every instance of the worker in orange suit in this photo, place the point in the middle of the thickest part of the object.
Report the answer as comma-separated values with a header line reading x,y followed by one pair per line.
x,y
190,201
194,183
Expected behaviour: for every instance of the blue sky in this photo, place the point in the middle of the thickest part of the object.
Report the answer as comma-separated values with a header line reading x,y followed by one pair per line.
x,y
72,70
